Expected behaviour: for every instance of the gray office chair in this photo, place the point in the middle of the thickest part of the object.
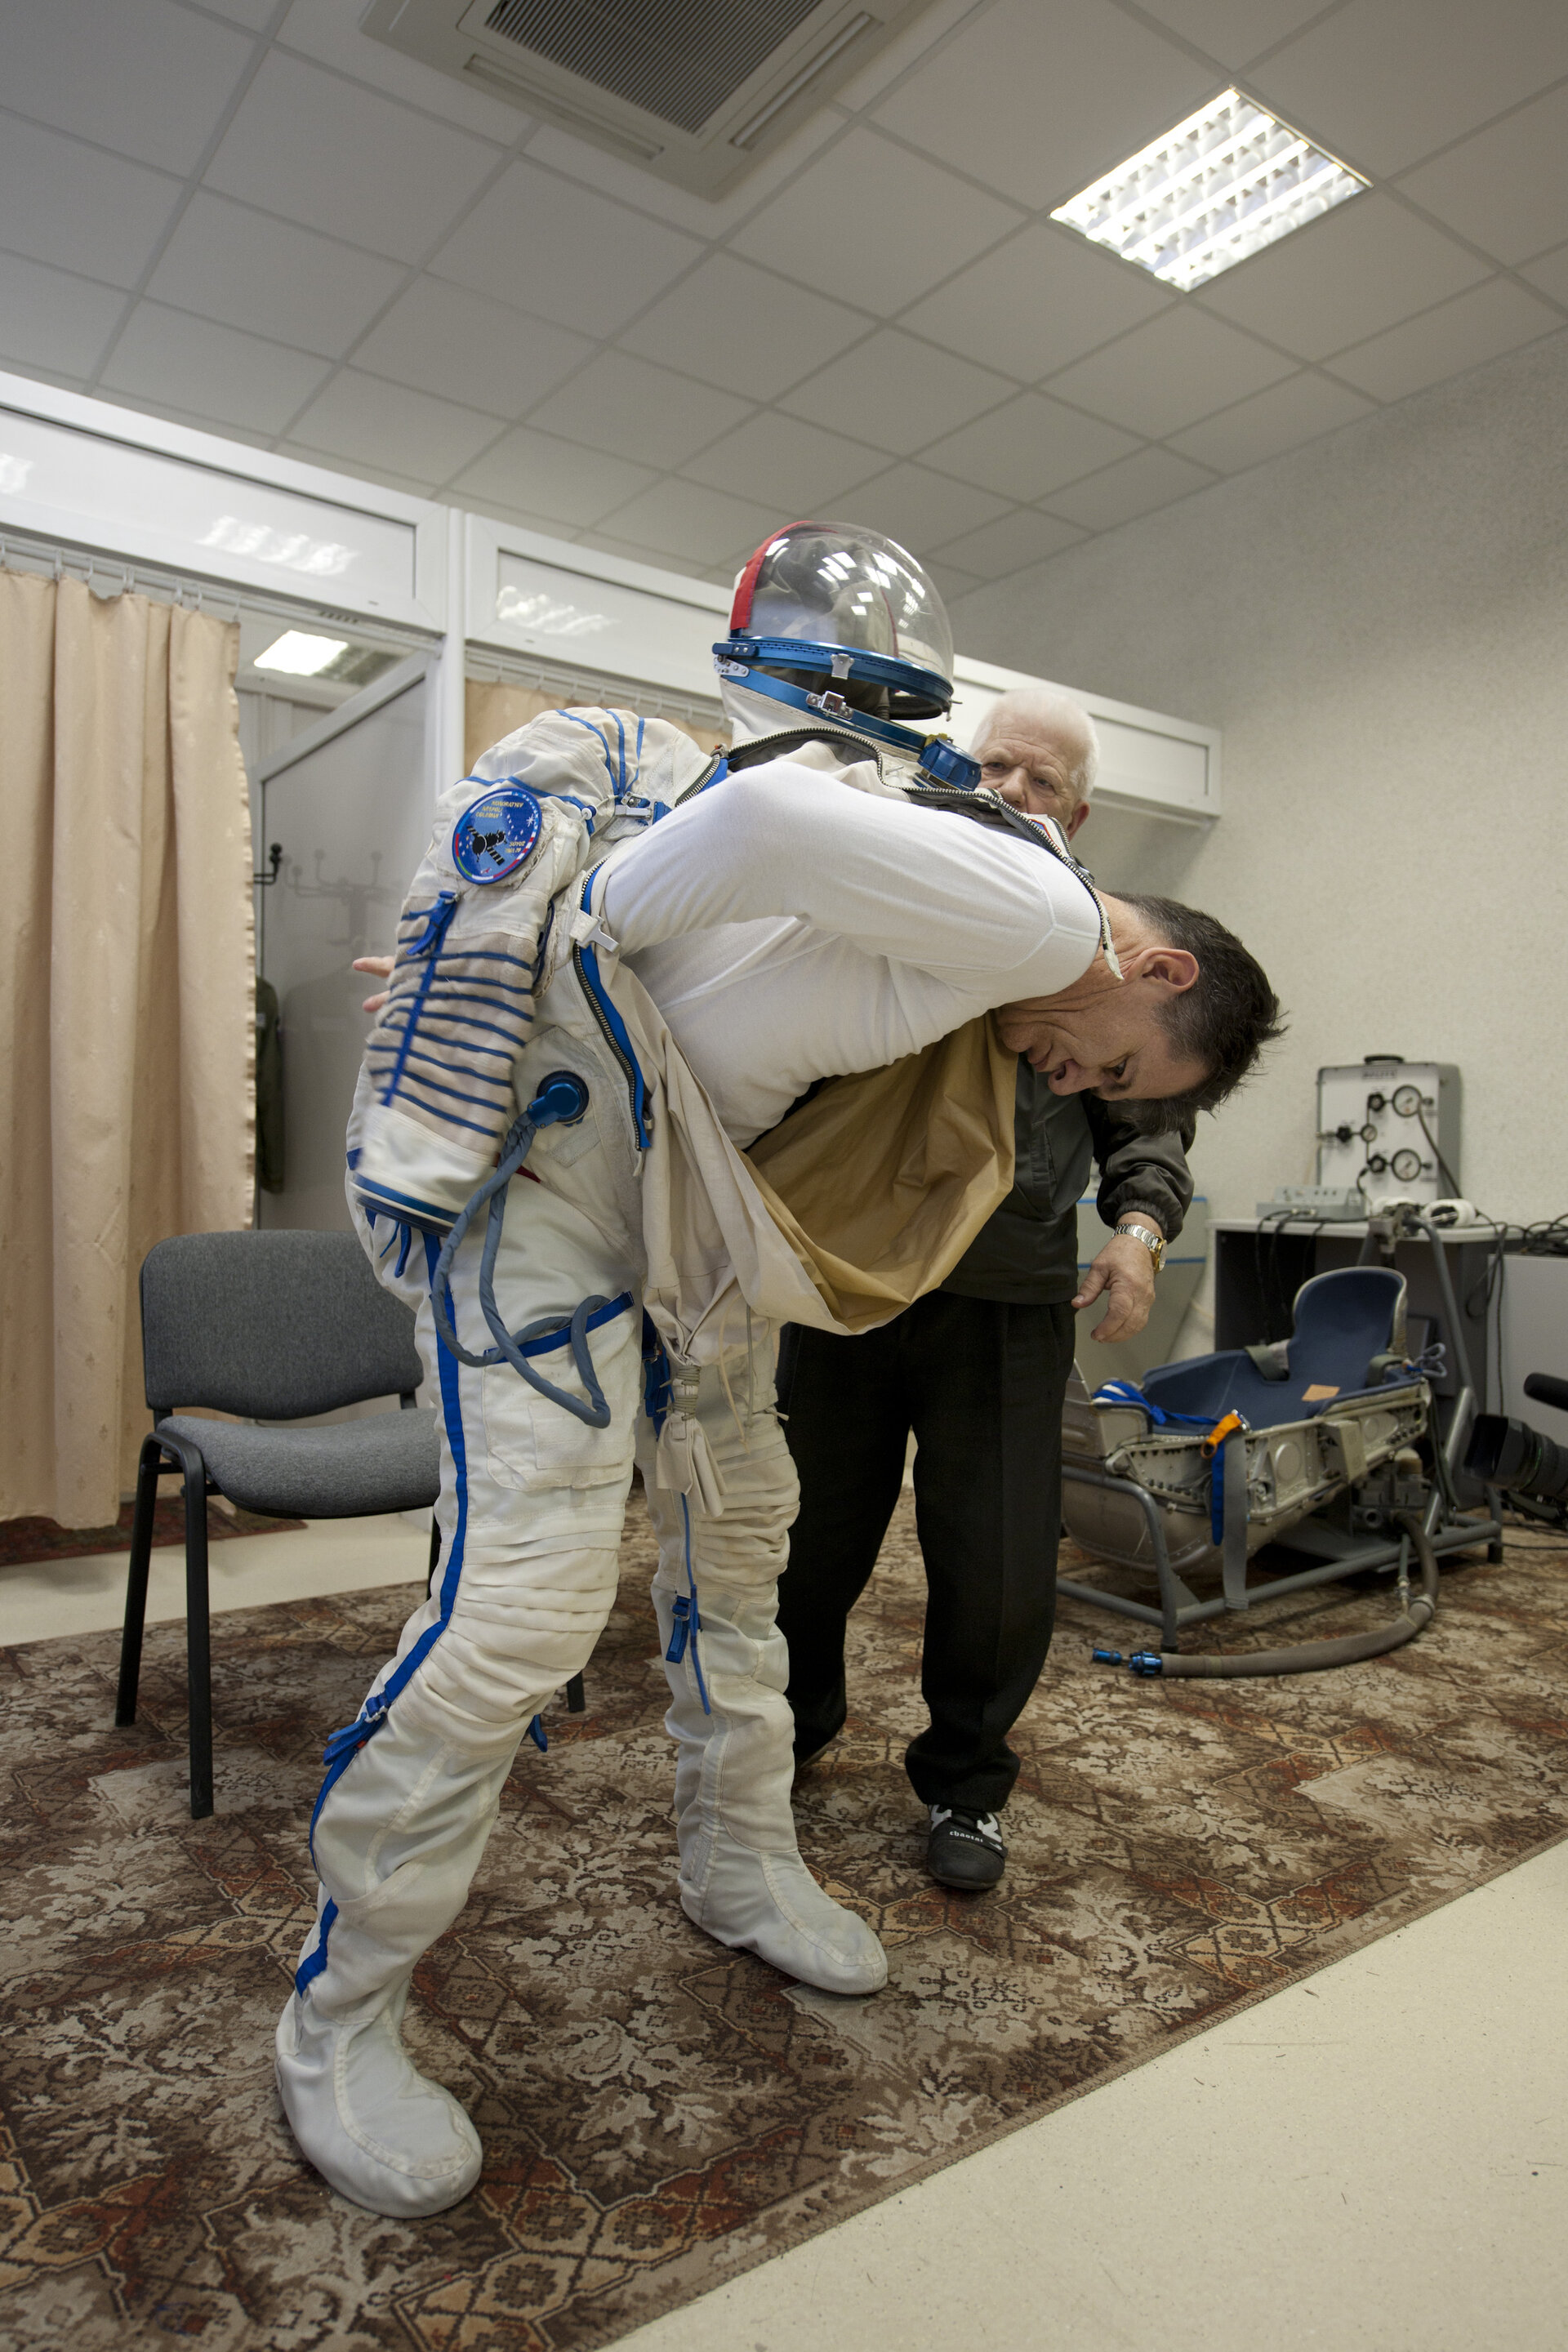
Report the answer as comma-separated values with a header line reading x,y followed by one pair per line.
x,y
278,1326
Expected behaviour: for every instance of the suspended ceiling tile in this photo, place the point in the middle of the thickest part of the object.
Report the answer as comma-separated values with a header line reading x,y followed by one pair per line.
x,y
1365,267
705,216
41,374
323,151
635,552
1134,486
1551,273
1280,419
874,223
537,474
1170,372
919,508
330,33
637,410
1234,32
1475,327
548,525
417,485
545,244
167,355
441,339
150,81
864,88
380,423
1035,100
743,328
1507,188
690,521
1383,82
896,393
787,462
271,277
1029,446
78,208
1041,299
201,424
48,319
254,15
1007,545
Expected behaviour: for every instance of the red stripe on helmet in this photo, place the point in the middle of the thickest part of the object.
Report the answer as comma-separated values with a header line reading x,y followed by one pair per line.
x,y
741,610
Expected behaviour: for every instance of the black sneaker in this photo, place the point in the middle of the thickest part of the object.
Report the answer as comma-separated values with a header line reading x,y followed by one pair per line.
x,y
966,1849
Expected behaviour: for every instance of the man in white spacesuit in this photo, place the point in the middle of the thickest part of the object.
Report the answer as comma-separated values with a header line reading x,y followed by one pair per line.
x,y
634,1021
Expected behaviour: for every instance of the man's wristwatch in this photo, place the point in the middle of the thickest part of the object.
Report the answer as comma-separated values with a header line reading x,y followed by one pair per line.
x,y
1152,1242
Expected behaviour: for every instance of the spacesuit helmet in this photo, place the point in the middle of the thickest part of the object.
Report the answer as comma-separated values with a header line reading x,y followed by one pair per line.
x,y
845,620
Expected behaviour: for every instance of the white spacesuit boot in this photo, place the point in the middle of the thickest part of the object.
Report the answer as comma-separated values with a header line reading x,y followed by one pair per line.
x,y
741,1877
406,1827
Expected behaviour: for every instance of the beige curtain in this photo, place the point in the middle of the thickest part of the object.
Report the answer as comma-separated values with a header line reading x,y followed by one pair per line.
x,y
491,711
127,1009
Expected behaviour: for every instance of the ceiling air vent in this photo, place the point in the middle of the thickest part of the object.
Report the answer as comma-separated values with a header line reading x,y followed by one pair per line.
x,y
695,90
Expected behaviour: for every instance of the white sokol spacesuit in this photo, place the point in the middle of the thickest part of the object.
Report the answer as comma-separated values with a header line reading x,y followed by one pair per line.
x,y
648,1010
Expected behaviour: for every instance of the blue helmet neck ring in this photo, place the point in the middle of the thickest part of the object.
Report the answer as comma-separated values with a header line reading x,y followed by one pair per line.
x,y
937,759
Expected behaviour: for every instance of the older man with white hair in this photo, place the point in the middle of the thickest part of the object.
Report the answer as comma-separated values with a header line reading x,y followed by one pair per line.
x,y
977,1369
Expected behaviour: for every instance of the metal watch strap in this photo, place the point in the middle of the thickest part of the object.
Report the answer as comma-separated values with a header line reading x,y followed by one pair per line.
x,y
1152,1242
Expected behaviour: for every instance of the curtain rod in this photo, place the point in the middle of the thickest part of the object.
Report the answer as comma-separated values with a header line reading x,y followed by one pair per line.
x,y
109,576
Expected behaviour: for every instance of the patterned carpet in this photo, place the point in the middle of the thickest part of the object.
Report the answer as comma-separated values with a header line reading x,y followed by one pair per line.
x,y
658,2114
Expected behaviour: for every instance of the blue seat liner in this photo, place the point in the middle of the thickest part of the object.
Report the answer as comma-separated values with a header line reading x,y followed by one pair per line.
x,y
1342,1320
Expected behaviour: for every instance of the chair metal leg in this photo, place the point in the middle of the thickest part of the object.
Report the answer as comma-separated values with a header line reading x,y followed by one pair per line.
x,y
577,1702
147,1470
198,1646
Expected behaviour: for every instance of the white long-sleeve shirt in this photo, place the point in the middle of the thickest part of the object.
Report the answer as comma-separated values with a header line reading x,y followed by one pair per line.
x,y
791,927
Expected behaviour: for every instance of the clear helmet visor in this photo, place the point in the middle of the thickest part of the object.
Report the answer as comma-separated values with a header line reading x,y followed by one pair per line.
x,y
837,584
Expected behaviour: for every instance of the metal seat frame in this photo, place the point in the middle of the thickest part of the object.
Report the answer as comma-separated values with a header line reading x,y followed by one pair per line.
x,y
1338,1554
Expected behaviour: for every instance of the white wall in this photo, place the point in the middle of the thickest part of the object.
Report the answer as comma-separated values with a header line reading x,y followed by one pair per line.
x,y
1379,623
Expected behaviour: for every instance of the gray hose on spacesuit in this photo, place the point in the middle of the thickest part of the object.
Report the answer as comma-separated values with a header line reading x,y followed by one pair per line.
x,y
561,1097
1311,1657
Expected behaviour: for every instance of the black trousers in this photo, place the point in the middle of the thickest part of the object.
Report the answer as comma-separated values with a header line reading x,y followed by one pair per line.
x,y
981,1384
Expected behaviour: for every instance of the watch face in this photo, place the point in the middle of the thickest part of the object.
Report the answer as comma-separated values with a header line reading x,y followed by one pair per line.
x,y
496,835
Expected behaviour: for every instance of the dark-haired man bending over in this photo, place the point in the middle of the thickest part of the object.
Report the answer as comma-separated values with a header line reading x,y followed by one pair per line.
x,y
977,1370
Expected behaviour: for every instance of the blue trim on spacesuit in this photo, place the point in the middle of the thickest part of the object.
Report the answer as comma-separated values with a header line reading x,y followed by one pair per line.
x,y
345,1745
315,1959
588,964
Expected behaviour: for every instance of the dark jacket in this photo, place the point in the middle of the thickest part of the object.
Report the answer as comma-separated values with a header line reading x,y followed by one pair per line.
x,y
1027,1254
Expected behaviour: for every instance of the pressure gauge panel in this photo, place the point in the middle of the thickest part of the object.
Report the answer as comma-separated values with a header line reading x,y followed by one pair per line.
x,y
1386,1125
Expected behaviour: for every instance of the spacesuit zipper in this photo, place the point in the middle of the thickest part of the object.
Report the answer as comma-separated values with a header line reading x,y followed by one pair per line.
x,y
609,1036
997,811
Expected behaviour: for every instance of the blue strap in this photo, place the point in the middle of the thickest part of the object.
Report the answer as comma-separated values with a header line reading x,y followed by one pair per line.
x,y
536,1733
684,1610
655,1377
680,1610
1128,1393
437,919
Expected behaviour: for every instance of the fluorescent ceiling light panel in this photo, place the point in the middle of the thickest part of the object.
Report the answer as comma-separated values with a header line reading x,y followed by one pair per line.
x,y
298,655
1223,184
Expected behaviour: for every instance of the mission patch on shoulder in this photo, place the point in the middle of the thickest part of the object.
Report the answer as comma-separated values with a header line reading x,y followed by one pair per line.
x,y
496,834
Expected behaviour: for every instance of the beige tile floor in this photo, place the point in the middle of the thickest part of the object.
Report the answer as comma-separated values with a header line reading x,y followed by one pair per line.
x,y
1376,2160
